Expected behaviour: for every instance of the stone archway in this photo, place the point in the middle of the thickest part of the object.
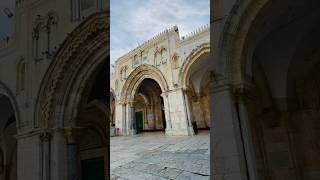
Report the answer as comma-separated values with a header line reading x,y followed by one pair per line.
x,y
8,132
258,43
148,107
190,60
73,77
131,88
195,79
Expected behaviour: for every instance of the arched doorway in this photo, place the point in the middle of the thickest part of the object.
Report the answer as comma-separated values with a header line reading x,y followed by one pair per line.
x,y
195,79
72,108
143,79
148,107
274,53
91,138
8,142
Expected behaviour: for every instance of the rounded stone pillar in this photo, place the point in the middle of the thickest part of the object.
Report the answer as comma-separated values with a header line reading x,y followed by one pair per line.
x,y
72,154
45,138
167,112
189,112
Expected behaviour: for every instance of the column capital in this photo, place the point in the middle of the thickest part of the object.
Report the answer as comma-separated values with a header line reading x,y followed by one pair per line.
x,y
164,94
71,134
244,91
45,136
130,103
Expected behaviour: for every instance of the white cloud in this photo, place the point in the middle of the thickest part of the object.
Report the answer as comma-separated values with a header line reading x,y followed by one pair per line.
x,y
140,20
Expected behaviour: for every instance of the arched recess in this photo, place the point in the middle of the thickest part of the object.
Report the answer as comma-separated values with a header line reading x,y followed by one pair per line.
x,y
259,42
193,76
8,132
5,91
190,60
21,75
67,90
137,76
229,61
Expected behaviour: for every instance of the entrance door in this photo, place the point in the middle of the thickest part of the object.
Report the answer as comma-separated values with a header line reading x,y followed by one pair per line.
x,y
93,169
139,121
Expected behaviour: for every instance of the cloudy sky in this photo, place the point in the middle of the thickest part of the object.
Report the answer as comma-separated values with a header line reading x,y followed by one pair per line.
x,y
6,24
135,21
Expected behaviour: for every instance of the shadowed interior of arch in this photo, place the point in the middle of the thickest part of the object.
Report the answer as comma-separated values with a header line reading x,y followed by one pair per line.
x,y
197,82
92,121
148,107
8,142
281,58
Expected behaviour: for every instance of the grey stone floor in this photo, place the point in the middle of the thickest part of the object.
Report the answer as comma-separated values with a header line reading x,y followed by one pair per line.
x,y
153,156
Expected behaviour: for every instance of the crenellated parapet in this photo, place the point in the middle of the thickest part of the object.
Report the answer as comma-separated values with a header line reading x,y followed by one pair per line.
x,y
151,42
195,33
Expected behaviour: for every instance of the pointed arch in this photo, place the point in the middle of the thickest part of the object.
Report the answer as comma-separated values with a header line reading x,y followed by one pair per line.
x,y
21,75
85,49
137,76
192,58
5,91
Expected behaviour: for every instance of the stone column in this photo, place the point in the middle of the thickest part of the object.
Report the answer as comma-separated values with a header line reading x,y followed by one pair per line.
x,y
58,154
133,120
178,112
45,139
72,154
30,149
244,95
167,112
130,119
123,119
227,152
189,113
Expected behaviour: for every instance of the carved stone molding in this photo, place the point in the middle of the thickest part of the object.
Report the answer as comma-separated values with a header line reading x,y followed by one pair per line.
x,y
243,92
71,134
45,137
89,36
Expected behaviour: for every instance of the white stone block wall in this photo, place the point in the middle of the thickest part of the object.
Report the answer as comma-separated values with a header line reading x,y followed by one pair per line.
x,y
178,113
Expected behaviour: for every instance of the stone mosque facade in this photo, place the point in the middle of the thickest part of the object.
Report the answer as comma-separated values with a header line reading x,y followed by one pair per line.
x,y
53,79
163,84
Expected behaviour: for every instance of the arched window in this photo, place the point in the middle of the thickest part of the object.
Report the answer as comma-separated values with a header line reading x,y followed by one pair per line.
x,y
125,72
121,72
144,57
175,61
116,85
136,60
21,76
157,58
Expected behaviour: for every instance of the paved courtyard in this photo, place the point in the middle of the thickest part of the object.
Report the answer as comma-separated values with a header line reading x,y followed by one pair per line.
x,y
155,156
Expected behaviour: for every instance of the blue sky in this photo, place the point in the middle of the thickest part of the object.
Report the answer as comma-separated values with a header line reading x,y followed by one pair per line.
x,y
135,21
6,24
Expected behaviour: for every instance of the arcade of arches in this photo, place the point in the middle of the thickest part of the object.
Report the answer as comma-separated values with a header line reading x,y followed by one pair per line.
x,y
155,90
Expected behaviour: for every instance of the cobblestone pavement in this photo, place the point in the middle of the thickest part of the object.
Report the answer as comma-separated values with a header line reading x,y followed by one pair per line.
x,y
153,156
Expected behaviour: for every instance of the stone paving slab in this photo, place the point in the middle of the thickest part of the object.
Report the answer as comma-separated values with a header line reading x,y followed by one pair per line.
x,y
156,156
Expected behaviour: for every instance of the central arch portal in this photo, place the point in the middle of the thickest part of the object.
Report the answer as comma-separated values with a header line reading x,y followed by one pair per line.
x,y
148,107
